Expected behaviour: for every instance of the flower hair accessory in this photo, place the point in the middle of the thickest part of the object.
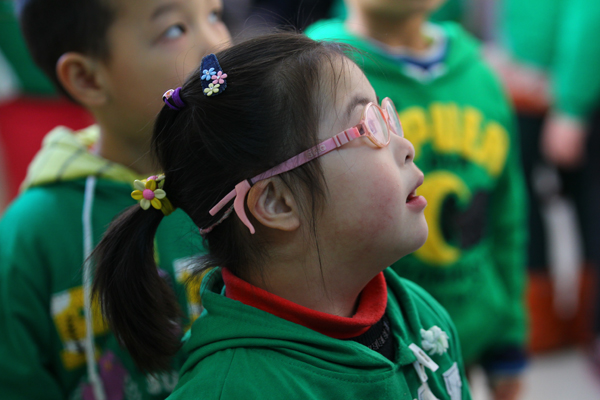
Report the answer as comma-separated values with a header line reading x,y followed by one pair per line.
x,y
214,80
434,340
149,192
173,100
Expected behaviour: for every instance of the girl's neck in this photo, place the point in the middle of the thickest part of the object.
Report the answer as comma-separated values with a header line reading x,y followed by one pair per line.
x,y
326,285
394,32
370,308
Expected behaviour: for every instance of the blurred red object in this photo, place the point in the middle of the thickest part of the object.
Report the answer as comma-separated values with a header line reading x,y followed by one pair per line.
x,y
548,331
24,121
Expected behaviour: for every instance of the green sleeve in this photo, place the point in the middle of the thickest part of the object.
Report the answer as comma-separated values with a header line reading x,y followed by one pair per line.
x,y
26,328
575,77
509,239
558,36
523,24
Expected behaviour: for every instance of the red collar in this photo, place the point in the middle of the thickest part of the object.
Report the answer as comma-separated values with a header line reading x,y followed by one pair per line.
x,y
371,307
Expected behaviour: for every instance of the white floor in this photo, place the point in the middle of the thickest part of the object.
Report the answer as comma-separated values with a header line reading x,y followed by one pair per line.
x,y
562,375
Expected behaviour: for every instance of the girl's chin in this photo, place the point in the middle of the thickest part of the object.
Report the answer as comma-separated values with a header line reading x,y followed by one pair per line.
x,y
420,236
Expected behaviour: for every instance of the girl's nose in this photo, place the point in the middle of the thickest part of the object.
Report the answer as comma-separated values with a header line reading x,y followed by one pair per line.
x,y
404,149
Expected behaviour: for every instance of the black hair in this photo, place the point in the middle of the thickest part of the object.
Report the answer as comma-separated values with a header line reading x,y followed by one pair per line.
x,y
52,28
269,112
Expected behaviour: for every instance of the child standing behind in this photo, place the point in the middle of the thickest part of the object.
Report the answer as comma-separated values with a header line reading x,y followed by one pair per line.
x,y
114,58
456,115
297,306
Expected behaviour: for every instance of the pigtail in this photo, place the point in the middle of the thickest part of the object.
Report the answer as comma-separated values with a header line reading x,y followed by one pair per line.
x,y
140,306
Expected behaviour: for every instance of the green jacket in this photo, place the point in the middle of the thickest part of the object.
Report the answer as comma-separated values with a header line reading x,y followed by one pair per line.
x,y
42,317
461,126
240,352
559,37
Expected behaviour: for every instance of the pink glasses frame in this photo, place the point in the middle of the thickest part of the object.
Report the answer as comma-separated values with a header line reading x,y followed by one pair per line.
x,y
359,130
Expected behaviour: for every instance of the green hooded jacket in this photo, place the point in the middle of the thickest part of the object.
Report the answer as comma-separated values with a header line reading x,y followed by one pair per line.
x,y
240,352
461,126
43,340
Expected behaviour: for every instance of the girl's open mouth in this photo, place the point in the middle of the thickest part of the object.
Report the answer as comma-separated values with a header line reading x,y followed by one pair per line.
x,y
411,196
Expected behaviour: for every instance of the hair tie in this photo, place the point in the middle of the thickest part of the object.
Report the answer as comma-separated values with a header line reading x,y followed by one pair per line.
x,y
212,72
174,96
149,192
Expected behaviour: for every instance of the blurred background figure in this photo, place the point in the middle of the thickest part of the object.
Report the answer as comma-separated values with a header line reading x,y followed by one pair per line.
x,y
550,67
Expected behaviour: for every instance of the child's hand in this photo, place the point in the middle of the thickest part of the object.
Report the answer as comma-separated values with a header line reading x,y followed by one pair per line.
x,y
563,141
507,387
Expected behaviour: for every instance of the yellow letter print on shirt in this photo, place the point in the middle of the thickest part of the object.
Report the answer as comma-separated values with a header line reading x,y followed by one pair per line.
x,y
450,129
439,185
454,130
69,318
184,273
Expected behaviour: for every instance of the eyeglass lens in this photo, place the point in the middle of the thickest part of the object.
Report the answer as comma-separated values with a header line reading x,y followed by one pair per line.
x,y
376,125
395,125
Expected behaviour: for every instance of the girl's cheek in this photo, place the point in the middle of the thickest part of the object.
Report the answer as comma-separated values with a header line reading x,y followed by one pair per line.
x,y
381,203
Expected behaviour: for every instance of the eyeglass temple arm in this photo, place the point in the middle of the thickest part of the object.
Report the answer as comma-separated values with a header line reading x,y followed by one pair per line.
x,y
308,155
242,188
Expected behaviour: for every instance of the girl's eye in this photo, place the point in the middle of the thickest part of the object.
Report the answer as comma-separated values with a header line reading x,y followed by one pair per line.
x,y
174,32
214,17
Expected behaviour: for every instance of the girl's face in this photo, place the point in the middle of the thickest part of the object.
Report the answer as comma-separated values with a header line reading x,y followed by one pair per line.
x,y
370,212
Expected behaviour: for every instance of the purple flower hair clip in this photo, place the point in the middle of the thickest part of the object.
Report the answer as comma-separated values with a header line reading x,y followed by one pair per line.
x,y
211,70
173,100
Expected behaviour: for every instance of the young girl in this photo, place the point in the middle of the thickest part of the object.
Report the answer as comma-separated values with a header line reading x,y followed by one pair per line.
x,y
280,153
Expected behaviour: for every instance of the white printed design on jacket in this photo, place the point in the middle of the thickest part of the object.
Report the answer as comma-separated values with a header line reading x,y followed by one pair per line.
x,y
453,382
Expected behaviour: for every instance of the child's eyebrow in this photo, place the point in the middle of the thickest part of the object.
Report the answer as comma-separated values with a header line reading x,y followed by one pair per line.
x,y
164,9
356,101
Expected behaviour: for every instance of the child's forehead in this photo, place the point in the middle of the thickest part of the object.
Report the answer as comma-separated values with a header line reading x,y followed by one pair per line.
x,y
351,80
146,11
344,99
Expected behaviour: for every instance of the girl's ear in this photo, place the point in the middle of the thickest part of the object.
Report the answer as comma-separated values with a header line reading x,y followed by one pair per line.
x,y
80,76
272,204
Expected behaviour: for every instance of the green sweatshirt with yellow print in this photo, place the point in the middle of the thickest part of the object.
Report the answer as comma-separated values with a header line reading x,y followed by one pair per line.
x,y
458,119
70,193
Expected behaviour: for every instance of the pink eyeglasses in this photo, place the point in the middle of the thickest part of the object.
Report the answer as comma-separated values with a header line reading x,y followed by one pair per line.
x,y
376,124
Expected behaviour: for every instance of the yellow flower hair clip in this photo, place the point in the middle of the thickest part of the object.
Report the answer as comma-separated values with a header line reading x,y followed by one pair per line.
x,y
149,192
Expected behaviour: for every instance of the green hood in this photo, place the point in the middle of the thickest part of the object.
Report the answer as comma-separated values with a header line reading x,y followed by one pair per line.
x,y
65,156
462,48
216,333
